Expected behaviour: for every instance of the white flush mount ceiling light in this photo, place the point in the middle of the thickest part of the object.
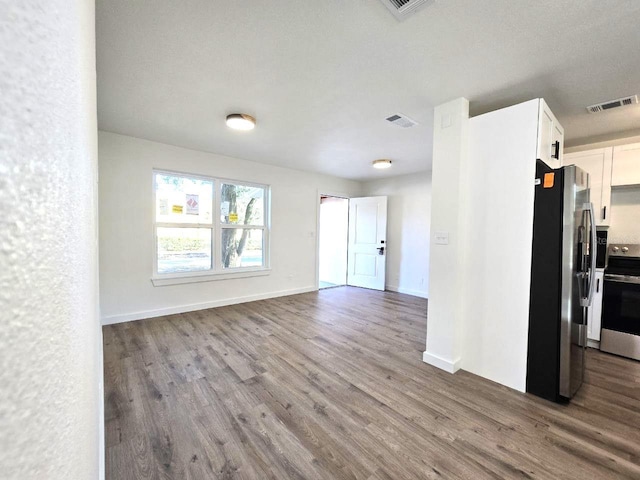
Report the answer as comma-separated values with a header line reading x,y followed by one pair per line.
x,y
382,163
241,121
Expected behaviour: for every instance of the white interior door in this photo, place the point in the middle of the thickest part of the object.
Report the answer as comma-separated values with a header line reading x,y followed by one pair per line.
x,y
367,242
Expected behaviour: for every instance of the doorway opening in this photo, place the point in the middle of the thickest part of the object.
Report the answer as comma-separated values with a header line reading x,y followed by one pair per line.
x,y
333,241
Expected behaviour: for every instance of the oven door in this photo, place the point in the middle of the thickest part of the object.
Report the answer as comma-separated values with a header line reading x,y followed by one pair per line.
x,y
621,305
621,316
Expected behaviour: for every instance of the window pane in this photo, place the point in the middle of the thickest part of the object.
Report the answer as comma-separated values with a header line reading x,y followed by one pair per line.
x,y
241,205
182,199
242,247
183,249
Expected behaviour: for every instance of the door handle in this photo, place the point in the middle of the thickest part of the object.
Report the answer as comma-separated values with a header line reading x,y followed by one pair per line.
x,y
622,279
380,250
593,251
586,302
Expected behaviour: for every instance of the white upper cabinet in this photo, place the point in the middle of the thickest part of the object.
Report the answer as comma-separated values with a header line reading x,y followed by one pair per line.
x,y
550,137
597,163
626,165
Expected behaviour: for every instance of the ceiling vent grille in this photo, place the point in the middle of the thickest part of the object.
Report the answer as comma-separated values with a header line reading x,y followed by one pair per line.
x,y
620,102
401,9
401,121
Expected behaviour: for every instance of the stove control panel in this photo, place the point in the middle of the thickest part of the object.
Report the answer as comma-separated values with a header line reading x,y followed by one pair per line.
x,y
624,250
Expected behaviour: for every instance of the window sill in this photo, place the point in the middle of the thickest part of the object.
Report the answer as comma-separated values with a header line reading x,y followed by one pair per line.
x,y
181,278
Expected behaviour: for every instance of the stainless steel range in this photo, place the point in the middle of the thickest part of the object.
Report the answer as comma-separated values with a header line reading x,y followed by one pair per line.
x,y
621,302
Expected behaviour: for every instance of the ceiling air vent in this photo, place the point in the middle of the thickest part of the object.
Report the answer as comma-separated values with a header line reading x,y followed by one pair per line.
x,y
401,121
620,102
404,8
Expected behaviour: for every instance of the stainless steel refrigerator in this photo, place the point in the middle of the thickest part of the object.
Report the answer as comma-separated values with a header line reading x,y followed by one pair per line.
x,y
562,281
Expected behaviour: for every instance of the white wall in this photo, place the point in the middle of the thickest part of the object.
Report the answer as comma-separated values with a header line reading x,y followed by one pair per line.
x,y
499,222
625,215
446,260
408,219
333,240
126,240
480,279
50,338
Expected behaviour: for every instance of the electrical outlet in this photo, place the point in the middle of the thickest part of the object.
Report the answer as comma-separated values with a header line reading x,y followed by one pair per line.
x,y
441,238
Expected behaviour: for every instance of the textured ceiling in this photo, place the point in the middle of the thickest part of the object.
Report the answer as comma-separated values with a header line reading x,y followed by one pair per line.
x,y
321,76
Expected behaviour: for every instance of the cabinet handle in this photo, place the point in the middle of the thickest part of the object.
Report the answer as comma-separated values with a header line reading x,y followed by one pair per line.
x,y
604,212
598,286
556,145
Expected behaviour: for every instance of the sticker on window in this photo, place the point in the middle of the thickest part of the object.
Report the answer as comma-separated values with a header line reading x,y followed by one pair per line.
x,y
164,206
193,207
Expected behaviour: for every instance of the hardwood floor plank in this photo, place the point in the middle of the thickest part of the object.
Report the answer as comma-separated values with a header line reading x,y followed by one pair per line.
x,y
131,460
331,385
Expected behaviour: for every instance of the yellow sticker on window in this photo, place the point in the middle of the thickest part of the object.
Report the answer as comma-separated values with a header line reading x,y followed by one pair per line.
x,y
548,180
176,208
233,217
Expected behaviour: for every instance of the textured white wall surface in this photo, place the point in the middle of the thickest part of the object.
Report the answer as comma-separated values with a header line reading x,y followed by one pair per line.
x,y
408,219
446,268
126,229
49,330
498,215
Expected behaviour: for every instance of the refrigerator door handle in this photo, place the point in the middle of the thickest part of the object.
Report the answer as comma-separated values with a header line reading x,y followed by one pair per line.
x,y
592,253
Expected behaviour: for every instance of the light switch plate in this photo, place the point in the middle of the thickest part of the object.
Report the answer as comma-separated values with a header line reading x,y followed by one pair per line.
x,y
441,238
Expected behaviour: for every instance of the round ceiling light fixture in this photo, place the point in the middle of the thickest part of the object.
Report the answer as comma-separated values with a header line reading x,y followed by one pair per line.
x,y
382,163
241,121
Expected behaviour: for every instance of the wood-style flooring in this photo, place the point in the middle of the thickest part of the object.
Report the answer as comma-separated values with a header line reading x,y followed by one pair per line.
x,y
331,385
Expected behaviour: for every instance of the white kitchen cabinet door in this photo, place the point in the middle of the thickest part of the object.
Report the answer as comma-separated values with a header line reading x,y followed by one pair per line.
x,y
597,163
594,317
549,132
626,165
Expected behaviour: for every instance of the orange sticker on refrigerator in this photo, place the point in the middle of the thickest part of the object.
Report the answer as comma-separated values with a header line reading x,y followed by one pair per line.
x,y
548,180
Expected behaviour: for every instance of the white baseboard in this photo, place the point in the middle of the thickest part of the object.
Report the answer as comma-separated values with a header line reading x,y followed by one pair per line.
x,y
127,317
593,344
441,363
407,291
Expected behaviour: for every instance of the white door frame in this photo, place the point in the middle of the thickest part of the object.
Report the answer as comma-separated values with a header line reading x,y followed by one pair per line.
x,y
323,193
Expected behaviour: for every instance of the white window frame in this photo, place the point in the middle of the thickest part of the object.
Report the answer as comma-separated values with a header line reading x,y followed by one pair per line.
x,y
217,271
